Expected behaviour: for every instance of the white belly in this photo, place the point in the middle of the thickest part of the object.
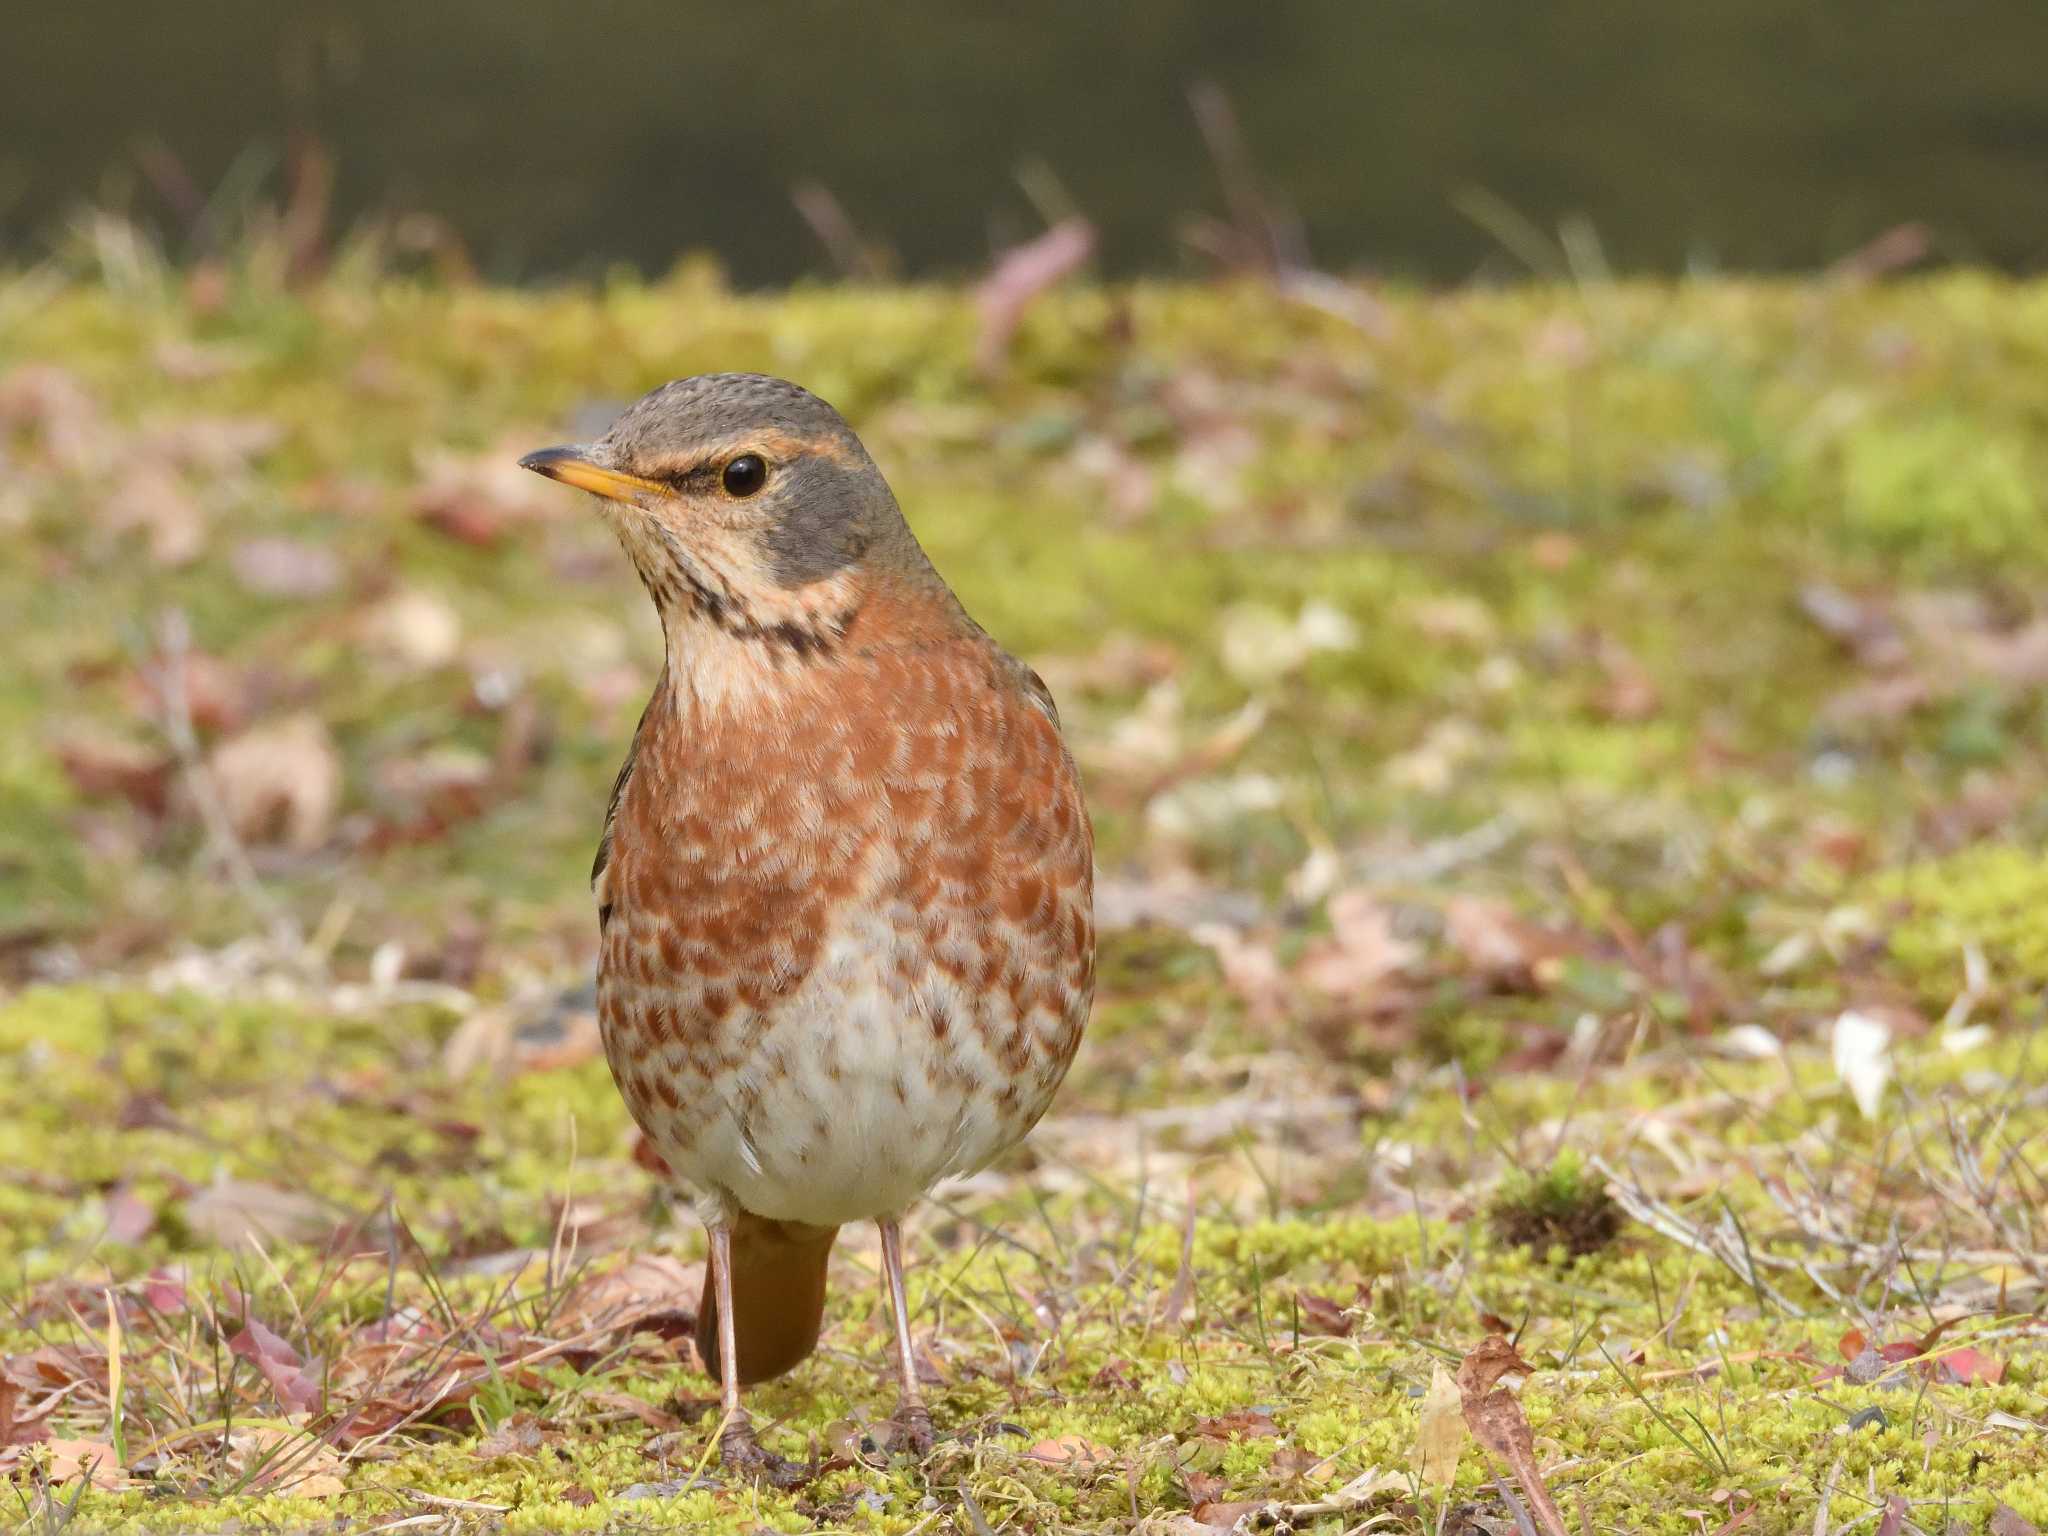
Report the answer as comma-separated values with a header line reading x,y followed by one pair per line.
x,y
851,1106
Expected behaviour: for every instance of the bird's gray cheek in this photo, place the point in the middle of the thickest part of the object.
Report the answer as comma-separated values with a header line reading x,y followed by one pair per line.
x,y
816,532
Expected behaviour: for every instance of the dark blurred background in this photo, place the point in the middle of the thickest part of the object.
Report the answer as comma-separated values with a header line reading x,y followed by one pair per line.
x,y
909,139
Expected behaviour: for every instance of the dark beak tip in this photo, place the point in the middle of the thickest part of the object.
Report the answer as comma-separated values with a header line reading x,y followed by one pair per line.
x,y
543,461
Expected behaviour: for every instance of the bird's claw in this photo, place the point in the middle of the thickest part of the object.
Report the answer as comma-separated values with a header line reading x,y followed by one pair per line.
x,y
913,1425
741,1453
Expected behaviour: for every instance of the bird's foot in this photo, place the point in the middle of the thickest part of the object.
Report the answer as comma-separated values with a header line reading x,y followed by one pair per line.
x,y
741,1453
912,1423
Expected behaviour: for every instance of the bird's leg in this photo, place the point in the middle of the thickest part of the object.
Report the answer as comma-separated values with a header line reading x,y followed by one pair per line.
x,y
912,1417
738,1448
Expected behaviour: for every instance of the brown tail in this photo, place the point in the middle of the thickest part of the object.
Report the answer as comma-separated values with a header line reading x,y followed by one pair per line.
x,y
778,1296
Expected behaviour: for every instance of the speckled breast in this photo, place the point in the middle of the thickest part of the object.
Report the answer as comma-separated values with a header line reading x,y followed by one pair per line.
x,y
847,943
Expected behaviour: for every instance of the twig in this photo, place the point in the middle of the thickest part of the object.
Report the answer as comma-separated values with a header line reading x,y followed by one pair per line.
x,y
174,640
1183,1290
1827,1498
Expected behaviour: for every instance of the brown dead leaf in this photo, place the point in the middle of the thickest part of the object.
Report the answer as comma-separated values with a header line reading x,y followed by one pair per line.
x,y
1498,944
50,1366
416,630
57,411
232,1211
1362,953
213,445
280,782
1319,1314
289,568
1969,1367
15,1430
65,1461
479,500
520,1435
1440,1434
645,1286
1628,693
1072,1452
1021,274
1238,1424
287,1461
103,767
214,694
151,499
1250,967
297,1388
2007,1521
655,1418
1223,1515
1497,1422
1864,628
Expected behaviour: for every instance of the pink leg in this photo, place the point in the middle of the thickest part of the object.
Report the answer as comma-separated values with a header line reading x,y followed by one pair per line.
x,y
912,1417
738,1448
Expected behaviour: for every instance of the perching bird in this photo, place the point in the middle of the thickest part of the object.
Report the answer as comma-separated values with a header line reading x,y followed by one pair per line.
x,y
845,885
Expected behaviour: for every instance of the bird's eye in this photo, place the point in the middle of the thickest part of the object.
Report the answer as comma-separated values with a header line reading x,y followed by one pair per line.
x,y
745,475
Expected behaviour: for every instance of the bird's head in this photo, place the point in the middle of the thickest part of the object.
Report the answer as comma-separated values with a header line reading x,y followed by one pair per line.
x,y
744,502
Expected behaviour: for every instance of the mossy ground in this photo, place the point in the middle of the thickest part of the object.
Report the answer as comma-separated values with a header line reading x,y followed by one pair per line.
x,y
1508,721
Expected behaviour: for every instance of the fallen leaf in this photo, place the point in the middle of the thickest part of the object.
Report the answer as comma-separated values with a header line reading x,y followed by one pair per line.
x,y
1221,1516
646,1285
1319,1314
414,629
2007,1521
1250,967
297,1388
1362,952
1070,1451
478,500
1021,274
280,782
1862,1046
1895,1512
1440,1433
657,1419
151,499
50,1366
1259,645
288,1461
130,1218
519,1435
214,444
1968,1366
66,1461
1496,1420
1238,1424
281,567
213,694
232,1211
104,767
14,1430
164,1289
60,413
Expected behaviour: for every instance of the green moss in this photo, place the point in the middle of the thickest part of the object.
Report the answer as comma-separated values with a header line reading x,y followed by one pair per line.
x,y
1564,1207
1570,528
1986,898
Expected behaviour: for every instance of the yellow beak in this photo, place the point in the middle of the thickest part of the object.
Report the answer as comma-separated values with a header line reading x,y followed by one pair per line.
x,y
574,466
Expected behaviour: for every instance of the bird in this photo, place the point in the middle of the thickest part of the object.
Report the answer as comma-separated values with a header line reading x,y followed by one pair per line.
x,y
845,882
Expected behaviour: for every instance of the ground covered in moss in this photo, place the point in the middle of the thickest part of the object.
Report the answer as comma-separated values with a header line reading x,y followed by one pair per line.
x,y
1569,781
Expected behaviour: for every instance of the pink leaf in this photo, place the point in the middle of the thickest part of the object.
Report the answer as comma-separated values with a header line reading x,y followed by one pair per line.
x,y
1021,276
296,1388
1968,1366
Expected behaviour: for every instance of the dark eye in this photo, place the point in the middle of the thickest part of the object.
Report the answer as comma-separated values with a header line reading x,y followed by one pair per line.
x,y
745,475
